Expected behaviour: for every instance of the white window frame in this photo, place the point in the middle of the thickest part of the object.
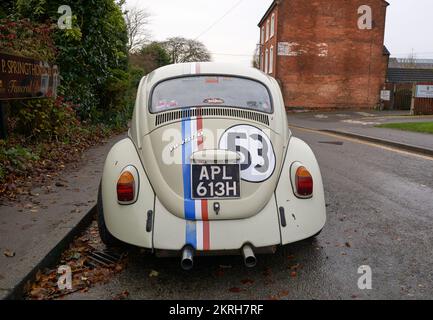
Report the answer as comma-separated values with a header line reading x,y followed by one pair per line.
x,y
266,61
273,25
262,61
271,59
262,35
267,29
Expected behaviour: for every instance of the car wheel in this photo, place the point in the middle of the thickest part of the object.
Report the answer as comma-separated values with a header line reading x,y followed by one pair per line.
x,y
106,237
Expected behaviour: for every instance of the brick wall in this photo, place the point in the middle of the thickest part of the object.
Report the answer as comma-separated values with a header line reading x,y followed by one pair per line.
x,y
332,64
423,107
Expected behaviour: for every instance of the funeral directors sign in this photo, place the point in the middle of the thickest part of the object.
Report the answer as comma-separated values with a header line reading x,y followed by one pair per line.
x,y
424,91
25,78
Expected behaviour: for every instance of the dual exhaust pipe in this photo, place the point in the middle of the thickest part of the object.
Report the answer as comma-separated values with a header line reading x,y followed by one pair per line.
x,y
187,260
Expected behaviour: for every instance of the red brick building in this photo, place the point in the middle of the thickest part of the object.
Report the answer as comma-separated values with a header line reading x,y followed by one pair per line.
x,y
326,54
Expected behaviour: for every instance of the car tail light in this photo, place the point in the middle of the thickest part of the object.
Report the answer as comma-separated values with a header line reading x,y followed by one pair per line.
x,y
127,186
302,182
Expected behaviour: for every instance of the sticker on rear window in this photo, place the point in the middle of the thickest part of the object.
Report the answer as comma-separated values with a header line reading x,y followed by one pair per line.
x,y
213,101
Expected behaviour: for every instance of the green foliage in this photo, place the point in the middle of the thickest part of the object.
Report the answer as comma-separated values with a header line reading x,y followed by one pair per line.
x,y
7,8
149,58
33,9
117,81
25,38
19,154
18,158
96,81
2,172
135,76
92,56
93,66
44,118
153,56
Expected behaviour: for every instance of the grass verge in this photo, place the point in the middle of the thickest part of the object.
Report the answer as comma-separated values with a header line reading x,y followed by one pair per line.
x,y
423,127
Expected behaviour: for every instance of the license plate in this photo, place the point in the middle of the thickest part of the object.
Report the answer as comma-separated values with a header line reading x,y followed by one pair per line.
x,y
210,181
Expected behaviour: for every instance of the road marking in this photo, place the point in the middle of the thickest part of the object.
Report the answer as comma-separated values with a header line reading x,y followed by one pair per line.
x,y
371,144
321,116
399,117
363,123
365,114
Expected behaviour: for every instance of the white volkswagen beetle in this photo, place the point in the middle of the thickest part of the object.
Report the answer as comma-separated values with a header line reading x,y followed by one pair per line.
x,y
210,167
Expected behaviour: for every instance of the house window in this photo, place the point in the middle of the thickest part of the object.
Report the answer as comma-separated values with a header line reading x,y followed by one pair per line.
x,y
273,25
267,30
266,61
262,64
271,60
262,36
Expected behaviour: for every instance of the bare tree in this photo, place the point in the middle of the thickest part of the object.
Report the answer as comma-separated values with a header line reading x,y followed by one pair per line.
x,y
256,57
137,21
410,62
186,50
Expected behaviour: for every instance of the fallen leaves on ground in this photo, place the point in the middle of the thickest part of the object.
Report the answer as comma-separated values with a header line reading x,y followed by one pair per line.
x,y
295,267
121,296
283,294
235,290
153,274
247,281
279,296
84,275
267,272
8,253
21,175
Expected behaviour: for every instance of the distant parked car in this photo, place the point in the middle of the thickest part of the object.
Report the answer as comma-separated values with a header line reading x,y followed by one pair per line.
x,y
209,167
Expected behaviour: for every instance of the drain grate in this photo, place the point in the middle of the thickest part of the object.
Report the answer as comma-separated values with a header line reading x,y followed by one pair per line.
x,y
106,258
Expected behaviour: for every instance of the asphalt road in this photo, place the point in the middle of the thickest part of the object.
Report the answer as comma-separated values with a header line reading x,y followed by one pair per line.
x,y
380,214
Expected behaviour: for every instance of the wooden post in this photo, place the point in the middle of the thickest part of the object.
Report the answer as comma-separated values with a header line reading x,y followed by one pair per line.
x,y
394,91
412,105
3,121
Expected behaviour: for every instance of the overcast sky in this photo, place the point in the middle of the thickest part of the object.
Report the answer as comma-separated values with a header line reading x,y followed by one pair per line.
x,y
229,27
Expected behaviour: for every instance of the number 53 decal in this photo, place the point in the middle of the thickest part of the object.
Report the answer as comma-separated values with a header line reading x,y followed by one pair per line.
x,y
255,147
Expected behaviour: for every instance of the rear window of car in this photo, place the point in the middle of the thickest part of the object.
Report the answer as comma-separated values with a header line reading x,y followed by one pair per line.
x,y
210,91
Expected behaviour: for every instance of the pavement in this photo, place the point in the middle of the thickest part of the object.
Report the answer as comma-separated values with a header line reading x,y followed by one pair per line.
x,y
362,125
33,227
380,214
